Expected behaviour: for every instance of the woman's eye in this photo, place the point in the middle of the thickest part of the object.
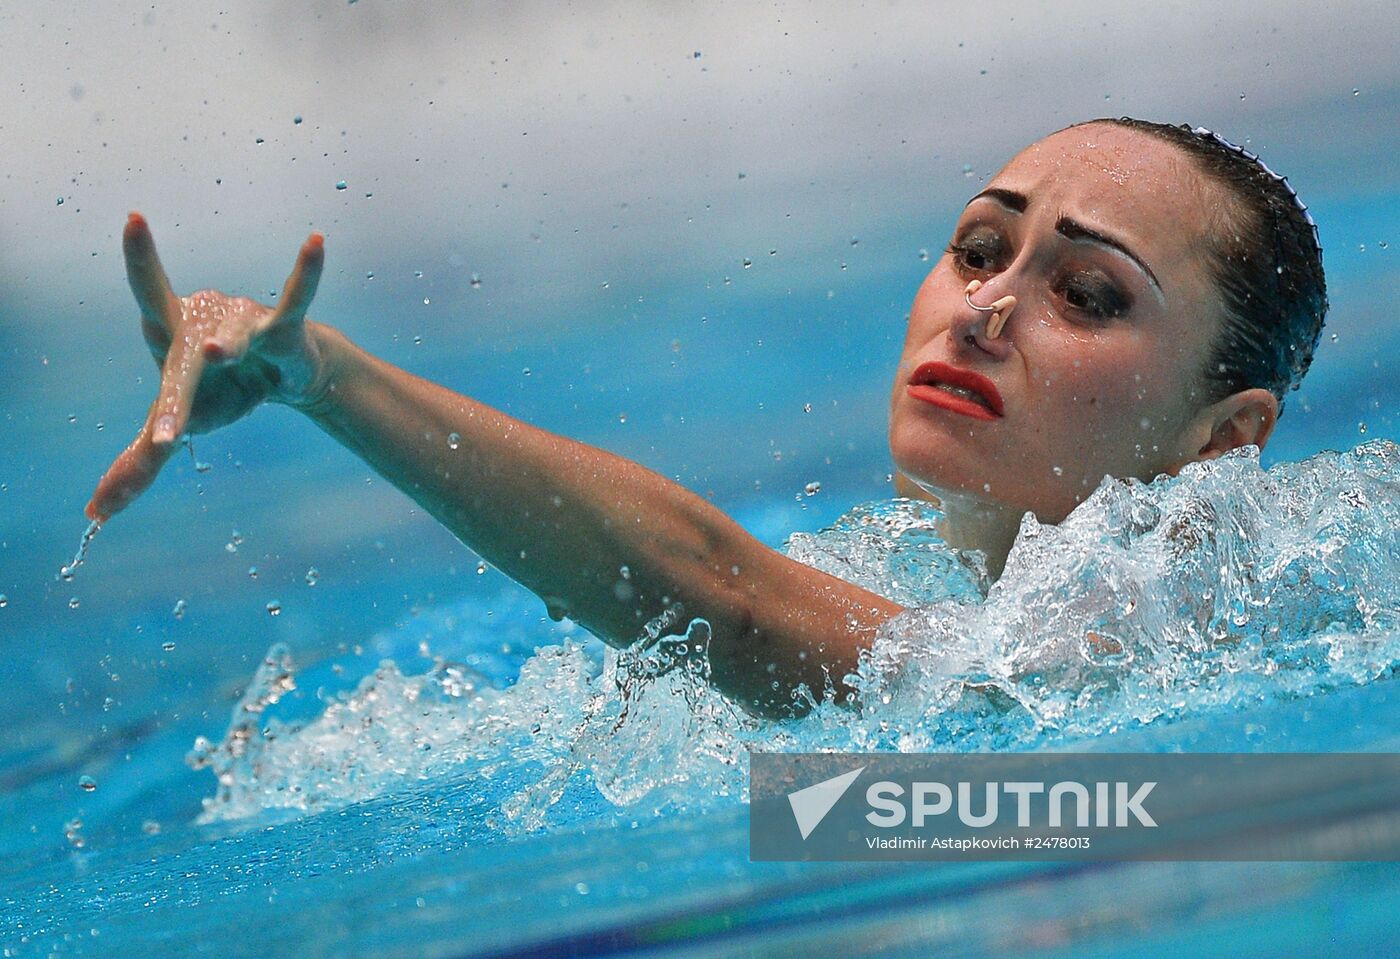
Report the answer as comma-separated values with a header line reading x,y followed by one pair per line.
x,y
1078,298
1093,297
975,255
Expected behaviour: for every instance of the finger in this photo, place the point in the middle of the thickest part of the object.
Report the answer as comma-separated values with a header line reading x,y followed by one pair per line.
x,y
129,475
179,379
301,285
160,307
230,341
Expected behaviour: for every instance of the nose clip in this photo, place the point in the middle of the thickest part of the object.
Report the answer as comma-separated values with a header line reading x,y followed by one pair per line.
x,y
1000,309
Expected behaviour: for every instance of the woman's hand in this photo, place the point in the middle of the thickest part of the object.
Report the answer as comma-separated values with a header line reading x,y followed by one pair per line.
x,y
608,542
220,356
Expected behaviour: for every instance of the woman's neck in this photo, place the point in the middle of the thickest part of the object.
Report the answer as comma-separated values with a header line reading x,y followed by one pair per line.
x,y
969,522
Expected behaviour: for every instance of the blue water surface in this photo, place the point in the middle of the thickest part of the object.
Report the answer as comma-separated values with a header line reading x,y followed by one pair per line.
x,y
480,793
697,237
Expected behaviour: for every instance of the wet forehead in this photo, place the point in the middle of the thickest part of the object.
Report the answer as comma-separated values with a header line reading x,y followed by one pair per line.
x,y
1135,187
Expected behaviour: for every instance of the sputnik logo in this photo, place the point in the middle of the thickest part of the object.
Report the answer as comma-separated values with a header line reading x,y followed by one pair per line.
x,y
810,805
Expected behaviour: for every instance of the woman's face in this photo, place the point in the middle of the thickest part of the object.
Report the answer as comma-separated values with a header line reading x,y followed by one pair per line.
x,y
1101,235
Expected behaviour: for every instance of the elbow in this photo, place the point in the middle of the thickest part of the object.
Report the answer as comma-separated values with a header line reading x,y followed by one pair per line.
x,y
754,671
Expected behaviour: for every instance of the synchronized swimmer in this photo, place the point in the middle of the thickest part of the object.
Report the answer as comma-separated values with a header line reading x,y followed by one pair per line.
x,y
1147,295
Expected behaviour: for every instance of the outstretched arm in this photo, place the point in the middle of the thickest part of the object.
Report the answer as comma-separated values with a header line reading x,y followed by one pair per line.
x,y
600,539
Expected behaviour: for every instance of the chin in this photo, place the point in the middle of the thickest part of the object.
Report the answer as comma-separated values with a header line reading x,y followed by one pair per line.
x,y
934,459
946,473
939,472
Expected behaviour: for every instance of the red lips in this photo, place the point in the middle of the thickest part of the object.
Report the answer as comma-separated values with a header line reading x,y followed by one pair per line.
x,y
922,386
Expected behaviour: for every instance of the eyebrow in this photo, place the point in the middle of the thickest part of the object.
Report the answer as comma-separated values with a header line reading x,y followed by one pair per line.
x,y
1066,227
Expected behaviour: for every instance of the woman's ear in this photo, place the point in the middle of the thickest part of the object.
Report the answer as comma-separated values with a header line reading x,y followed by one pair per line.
x,y
1241,419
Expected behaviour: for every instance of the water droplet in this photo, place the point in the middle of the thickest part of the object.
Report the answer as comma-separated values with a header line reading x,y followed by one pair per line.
x,y
66,573
967,169
107,704
59,202
622,417
168,646
855,241
1058,470
4,600
812,488
454,440
72,417
476,282
1334,337
806,407
1241,96
525,371
252,572
417,341
747,263
179,611
923,255
74,603
150,827
369,274
313,576
1361,427
696,55
1356,91
341,184
481,568
87,783
101,426
274,608
235,541
297,119
73,832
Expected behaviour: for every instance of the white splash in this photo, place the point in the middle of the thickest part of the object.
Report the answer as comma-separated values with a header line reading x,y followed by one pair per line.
x,y
1227,585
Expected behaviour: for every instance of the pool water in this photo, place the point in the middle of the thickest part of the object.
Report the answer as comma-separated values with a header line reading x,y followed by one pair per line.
x,y
488,788
278,711
410,874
